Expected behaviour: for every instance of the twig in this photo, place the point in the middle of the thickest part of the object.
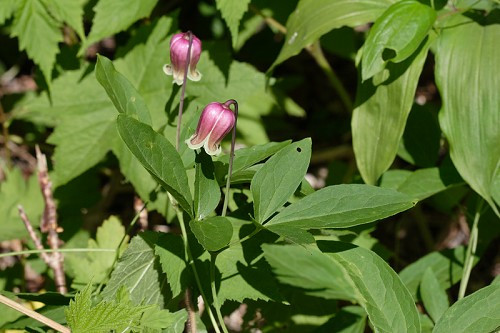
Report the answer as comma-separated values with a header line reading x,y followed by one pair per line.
x,y
33,235
191,322
35,315
49,222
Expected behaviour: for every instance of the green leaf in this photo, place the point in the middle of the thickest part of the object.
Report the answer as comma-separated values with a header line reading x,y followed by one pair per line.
x,y
213,233
104,316
55,313
69,11
341,206
313,18
278,179
38,34
396,35
14,191
469,87
7,8
138,270
379,119
384,297
434,297
206,189
121,92
95,266
170,251
113,16
158,156
310,269
479,312
154,318
350,319
232,12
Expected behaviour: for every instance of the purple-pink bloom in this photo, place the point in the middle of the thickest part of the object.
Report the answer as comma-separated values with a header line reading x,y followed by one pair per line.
x,y
216,120
179,45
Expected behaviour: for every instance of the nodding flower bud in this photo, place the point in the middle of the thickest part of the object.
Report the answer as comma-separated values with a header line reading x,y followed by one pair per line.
x,y
179,46
216,120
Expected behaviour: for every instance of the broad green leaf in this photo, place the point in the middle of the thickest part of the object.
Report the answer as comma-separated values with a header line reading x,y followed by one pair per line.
x,y
232,12
479,312
121,92
394,178
313,18
469,87
170,252
55,313
38,34
95,266
158,156
278,179
379,119
213,233
350,319
7,8
434,297
246,157
396,35
206,188
83,316
310,269
341,206
138,270
381,293
14,191
113,16
69,11
154,318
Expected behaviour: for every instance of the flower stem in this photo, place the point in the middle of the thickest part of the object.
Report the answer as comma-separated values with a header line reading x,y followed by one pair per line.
x,y
231,155
190,259
216,303
183,92
471,251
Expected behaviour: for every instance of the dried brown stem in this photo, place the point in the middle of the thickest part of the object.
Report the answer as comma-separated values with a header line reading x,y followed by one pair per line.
x,y
33,235
191,322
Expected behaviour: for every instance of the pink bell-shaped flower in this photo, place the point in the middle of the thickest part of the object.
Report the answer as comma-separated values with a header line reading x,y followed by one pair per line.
x,y
216,120
179,46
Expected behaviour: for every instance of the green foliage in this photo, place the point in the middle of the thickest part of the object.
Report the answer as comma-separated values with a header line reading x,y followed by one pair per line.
x,y
206,188
232,12
213,233
435,299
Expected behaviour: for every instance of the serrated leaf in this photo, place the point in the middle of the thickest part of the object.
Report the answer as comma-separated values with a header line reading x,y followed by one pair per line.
x,y
138,270
206,188
341,206
213,233
379,119
14,191
232,12
69,11
38,34
469,89
313,18
113,16
95,266
434,297
7,8
384,297
170,251
278,179
122,93
479,312
159,157
399,31
310,269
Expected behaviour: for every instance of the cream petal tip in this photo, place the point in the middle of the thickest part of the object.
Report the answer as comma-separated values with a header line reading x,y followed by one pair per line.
x,y
196,76
167,69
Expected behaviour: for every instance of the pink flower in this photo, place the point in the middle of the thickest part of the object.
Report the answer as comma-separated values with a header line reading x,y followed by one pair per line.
x,y
216,120
179,45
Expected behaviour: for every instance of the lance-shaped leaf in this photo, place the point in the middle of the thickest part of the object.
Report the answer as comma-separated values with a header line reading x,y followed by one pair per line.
x,y
434,297
314,18
467,67
341,206
379,119
280,176
158,156
396,35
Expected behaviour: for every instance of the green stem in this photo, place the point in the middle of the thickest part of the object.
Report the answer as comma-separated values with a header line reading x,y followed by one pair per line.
x,y
471,251
216,303
190,260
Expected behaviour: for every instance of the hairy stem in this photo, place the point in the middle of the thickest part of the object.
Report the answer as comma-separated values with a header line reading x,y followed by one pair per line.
x,y
35,315
471,251
183,92
231,156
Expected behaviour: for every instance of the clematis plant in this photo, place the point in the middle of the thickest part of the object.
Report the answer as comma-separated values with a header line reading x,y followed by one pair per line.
x,y
185,51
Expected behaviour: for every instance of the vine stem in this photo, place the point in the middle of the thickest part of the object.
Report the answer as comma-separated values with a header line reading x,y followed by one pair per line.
x,y
213,258
183,92
33,314
231,156
190,259
471,251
